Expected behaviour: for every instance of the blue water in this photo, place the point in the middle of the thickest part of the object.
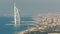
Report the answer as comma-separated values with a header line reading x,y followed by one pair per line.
x,y
6,29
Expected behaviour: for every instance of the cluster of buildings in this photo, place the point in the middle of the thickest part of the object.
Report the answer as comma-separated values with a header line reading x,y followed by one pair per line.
x,y
50,20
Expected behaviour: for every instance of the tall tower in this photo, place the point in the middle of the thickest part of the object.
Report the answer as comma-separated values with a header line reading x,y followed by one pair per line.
x,y
16,16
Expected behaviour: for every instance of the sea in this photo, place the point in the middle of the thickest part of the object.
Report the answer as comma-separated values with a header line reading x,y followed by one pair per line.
x,y
10,29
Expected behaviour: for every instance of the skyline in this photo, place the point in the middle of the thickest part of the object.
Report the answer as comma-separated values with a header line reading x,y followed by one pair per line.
x,y
29,7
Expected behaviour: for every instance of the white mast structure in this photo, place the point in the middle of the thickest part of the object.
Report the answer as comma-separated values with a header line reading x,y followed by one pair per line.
x,y
16,16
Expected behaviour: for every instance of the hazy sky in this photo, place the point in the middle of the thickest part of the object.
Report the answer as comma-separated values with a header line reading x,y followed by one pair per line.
x,y
29,7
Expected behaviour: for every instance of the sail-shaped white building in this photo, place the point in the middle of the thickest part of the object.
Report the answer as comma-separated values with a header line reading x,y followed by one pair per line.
x,y
16,16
